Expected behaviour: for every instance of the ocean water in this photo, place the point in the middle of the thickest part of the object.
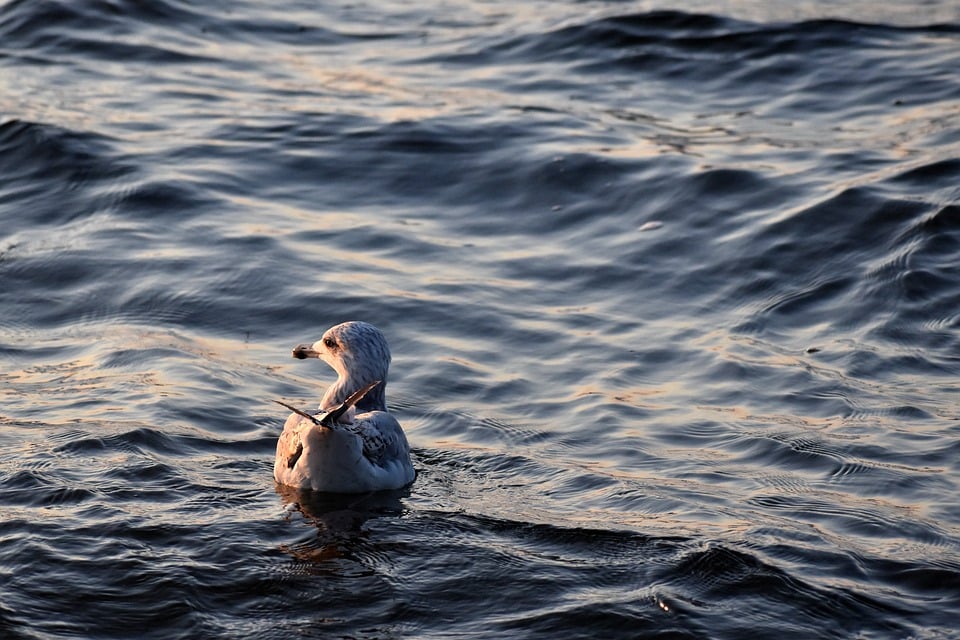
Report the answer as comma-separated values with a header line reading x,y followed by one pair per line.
x,y
673,293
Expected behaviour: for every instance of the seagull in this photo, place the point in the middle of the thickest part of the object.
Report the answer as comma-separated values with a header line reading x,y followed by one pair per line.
x,y
355,446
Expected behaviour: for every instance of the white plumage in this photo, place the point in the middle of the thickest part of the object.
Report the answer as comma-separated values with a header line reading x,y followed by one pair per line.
x,y
355,445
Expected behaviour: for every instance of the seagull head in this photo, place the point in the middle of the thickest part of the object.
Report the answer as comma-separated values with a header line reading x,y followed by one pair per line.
x,y
358,352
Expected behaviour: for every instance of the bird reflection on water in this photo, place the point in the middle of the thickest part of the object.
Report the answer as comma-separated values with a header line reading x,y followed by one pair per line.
x,y
338,518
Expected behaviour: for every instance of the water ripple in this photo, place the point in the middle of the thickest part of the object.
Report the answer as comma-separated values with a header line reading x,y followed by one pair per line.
x,y
671,297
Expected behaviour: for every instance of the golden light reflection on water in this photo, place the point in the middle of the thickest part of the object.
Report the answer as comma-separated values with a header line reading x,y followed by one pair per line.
x,y
641,397
111,374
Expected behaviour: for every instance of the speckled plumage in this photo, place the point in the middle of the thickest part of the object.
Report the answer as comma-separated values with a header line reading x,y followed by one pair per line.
x,y
365,449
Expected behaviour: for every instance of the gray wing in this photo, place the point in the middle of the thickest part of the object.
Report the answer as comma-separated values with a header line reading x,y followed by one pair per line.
x,y
383,438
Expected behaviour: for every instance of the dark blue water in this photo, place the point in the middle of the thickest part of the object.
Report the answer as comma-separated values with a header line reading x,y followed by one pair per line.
x,y
673,295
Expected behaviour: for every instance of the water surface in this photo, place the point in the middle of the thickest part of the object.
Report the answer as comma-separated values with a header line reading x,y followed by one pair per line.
x,y
672,294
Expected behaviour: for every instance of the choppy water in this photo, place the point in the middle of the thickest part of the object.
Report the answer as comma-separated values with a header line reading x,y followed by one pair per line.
x,y
674,300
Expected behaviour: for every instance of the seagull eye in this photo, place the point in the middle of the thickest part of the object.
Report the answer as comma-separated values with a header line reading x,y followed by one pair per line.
x,y
330,343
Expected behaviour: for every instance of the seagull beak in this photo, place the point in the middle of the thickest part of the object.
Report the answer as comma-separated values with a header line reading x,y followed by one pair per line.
x,y
304,351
